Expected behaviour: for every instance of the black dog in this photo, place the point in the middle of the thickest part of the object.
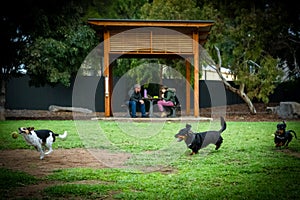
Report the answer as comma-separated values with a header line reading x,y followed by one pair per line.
x,y
197,141
283,137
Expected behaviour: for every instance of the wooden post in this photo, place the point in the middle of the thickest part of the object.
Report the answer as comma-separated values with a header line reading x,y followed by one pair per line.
x,y
111,83
196,73
187,86
107,74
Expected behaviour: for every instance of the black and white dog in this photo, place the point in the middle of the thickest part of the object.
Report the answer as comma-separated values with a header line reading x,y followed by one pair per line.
x,y
197,141
283,137
40,139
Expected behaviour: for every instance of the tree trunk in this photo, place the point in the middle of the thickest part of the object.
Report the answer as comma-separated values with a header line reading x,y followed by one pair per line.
x,y
239,91
247,100
2,100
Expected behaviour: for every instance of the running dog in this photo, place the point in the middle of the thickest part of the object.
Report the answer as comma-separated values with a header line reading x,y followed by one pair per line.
x,y
283,137
40,139
197,141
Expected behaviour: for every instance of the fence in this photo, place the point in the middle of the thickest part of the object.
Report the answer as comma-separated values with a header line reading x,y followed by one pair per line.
x,y
19,95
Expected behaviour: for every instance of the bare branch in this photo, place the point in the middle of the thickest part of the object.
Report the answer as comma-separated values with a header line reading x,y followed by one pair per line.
x,y
239,91
219,58
254,63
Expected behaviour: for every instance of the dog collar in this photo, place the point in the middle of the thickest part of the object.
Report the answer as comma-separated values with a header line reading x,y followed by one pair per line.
x,y
192,140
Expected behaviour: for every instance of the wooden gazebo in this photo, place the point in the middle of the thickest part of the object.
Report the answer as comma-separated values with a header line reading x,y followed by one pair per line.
x,y
152,38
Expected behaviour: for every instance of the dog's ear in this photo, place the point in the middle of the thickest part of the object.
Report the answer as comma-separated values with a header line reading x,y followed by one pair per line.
x,y
188,126
284,124
30,128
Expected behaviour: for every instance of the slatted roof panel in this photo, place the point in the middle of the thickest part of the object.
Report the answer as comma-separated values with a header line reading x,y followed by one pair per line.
x,y
146,36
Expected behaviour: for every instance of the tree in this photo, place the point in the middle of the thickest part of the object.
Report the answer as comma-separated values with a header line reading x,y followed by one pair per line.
x,y
58,48
259,81
13,39
50,39
52,61
242,33
170,10
283,35
114,9
274,27
47,39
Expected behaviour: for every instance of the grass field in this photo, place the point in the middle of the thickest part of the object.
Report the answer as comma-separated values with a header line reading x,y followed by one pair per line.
x,y
247,166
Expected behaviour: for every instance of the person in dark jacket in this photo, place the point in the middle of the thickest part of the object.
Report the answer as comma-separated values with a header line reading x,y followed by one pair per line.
x,y
136,100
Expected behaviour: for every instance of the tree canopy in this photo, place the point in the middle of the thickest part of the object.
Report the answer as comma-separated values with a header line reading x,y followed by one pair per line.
x,y
55,39
250,36
51,38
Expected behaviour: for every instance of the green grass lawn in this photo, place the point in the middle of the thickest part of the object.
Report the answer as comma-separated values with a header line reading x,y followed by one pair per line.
x,y
247,166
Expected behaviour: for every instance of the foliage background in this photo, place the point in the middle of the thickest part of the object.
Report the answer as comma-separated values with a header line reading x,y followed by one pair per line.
x,y
49,40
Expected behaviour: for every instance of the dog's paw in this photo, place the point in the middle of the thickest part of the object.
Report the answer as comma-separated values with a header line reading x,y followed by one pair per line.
x,y
42,156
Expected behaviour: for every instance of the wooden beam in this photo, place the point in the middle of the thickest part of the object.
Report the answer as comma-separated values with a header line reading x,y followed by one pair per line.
x,y
151,23
151,52
188,86
196,73
107,74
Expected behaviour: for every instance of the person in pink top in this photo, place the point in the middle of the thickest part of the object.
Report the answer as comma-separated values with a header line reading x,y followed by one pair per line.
x,y
168,100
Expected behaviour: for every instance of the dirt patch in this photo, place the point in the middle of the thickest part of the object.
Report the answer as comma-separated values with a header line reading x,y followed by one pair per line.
x,y
47,115
240,112
27,160
29,192
290,152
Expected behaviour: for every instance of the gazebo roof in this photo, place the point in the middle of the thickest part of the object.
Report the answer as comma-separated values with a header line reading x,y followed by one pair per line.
x,y
139,22
202,27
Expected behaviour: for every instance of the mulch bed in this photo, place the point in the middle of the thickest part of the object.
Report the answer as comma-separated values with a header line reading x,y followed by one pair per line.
x,y
236,112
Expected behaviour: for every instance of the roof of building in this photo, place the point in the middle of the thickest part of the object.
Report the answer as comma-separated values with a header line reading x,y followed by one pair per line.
x,y
202,27
159,23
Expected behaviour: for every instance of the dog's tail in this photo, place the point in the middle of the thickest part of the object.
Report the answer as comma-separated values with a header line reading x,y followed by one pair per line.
x,y
223,125
293,132
63,136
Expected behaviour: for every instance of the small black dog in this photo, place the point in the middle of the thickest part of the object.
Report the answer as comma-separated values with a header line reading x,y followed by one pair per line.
x,y
197,141
283,137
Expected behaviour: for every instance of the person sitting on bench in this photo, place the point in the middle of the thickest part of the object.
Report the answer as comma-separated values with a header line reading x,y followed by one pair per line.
x,y
136,100
168,99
